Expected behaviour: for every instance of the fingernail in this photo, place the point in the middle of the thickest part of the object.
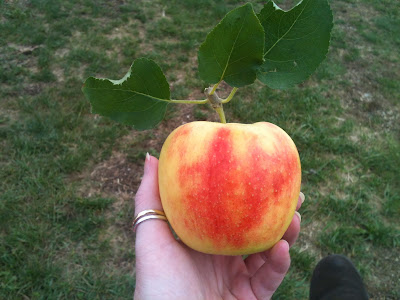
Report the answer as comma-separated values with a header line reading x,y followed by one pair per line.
x,y
287,247
302,197
146,162
298,214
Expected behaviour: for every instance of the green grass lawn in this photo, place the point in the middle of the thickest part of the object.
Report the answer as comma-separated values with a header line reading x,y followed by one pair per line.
x,y
68,178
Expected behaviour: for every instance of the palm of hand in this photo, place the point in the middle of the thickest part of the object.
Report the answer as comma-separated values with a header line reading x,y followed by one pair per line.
x,y
177,272
168,269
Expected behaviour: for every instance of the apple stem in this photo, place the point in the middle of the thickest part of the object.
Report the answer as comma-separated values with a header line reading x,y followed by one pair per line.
x,y
221,113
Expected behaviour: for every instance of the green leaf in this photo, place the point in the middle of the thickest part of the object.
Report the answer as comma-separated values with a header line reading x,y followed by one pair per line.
x,y
140,98
296,41
233,50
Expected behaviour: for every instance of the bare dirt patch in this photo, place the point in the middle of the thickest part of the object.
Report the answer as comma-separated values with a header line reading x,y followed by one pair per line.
x,y
117,175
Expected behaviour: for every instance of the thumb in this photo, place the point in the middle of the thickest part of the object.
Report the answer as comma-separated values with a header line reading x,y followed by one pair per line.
x,y
148,197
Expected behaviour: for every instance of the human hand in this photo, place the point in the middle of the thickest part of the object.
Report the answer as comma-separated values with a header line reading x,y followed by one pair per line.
x,y
168,269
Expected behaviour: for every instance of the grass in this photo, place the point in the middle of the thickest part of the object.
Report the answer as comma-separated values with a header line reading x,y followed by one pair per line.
x,y
67,177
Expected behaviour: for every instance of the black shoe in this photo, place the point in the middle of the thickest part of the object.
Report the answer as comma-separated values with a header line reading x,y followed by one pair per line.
x,y
336,278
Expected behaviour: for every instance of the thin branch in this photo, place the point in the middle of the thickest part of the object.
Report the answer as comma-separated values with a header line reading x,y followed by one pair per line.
x,y
230,96
215,88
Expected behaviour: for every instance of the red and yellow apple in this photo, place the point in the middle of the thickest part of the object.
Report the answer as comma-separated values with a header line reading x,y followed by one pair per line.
x,y
231,188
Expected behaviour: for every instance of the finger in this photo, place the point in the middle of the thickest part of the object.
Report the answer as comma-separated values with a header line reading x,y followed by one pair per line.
x,y
147,196
268,278
300,200
292,233
255,261
153,231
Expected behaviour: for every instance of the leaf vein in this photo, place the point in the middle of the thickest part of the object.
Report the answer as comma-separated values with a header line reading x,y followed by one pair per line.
x,y
131,91
287,30
233,46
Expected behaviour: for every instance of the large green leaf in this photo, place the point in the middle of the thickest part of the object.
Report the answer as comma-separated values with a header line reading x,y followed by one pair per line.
x,y
233,50
296,41
140,98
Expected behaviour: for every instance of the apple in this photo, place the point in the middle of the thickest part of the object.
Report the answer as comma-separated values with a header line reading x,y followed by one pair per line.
x,y
229,189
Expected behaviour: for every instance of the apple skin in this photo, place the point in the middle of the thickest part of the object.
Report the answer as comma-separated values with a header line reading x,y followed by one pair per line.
x,y
229,189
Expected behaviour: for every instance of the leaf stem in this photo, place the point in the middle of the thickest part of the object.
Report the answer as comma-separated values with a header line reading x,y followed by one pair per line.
x,y
230,96
215,88
190,101
221,113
